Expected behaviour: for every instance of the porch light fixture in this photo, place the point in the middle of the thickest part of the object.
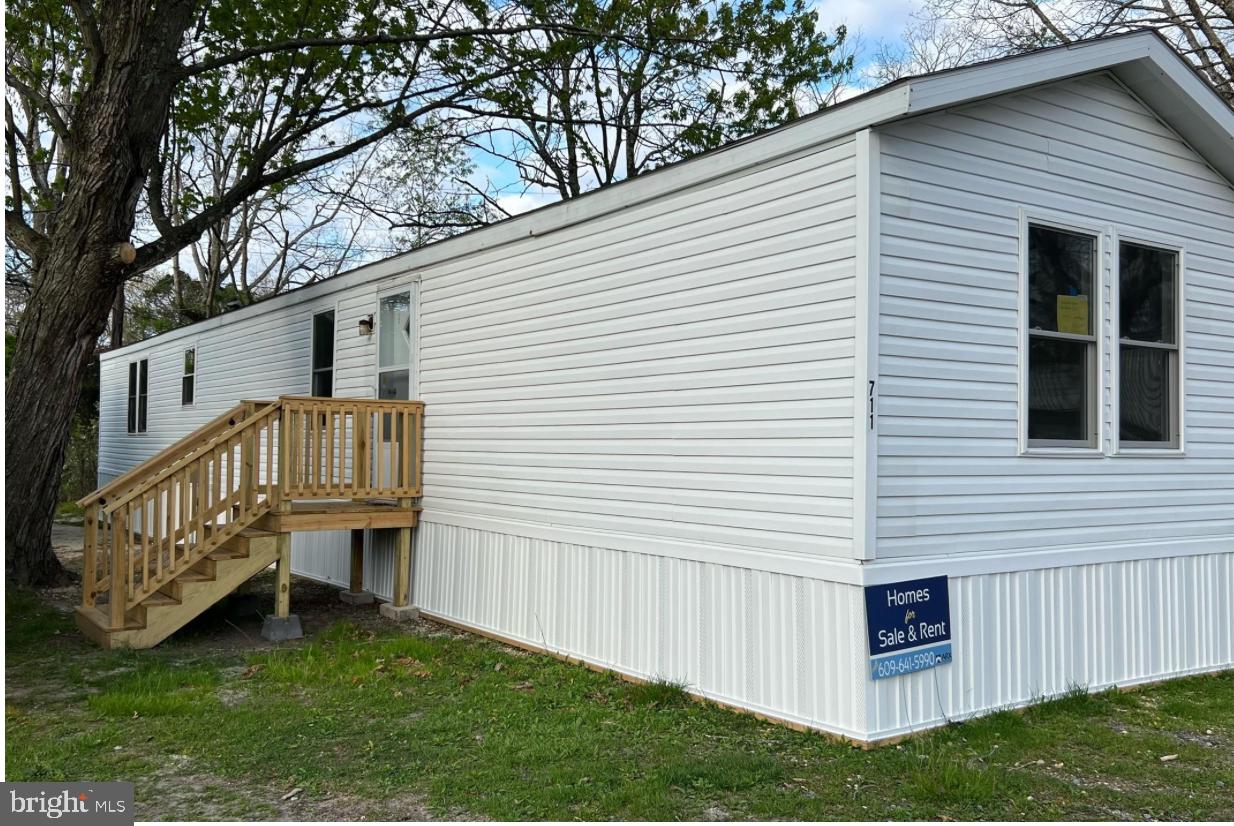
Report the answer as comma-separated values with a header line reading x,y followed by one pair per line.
x,y
366,325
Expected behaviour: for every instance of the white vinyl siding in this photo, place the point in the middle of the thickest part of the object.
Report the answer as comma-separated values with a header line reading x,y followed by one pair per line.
x,y
680,370
953,184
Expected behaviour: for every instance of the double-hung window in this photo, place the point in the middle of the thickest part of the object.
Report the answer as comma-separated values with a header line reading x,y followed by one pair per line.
x,y
1062,374
1148,356
138,377
323,354
188,380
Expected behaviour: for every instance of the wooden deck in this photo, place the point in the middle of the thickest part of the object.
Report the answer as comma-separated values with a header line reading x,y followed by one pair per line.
x,y
174,535
339,516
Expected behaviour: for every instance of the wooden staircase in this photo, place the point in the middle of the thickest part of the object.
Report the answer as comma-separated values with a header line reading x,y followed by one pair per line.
x,y
176,534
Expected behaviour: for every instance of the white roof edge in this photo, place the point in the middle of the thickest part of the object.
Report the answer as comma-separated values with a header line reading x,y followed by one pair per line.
x,y
1142,60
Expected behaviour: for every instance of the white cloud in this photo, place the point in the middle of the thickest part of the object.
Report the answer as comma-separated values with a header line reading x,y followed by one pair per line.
x,y
525,201
871,19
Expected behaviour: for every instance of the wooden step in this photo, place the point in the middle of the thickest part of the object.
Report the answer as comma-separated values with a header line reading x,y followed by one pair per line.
x,y
182,599
96,624
249,540
159,598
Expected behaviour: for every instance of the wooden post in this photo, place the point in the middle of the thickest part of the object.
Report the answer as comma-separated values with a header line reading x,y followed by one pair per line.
x,y
248,464
90,547
402,563
357,561
282,588
120,570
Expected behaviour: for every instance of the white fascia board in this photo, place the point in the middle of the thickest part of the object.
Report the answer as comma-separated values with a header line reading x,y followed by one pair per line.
x,y
802,134
998,77
1190,106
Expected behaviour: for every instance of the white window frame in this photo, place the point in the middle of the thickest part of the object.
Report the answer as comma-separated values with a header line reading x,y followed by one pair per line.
x,y
1179,405
412,288
1064,223
184,375
134,398
313,370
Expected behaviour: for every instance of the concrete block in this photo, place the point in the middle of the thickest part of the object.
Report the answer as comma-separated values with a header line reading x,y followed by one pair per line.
x,y
281,629
399,613
356,597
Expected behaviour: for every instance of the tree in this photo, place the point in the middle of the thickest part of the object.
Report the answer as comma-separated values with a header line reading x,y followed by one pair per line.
x,y
684,76
1201,30
89,90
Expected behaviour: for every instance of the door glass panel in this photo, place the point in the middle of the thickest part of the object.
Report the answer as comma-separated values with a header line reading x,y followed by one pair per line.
x,y
394,331
393,384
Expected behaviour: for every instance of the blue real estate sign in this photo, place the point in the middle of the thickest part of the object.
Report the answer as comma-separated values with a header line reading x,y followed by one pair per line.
x,y
909,626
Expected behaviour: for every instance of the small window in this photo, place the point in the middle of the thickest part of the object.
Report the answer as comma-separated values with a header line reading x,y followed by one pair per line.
x,y
1062,341
138,375
323,354
1148,367
188,379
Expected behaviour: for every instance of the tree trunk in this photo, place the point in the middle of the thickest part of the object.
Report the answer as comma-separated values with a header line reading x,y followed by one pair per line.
x,y
117,319
117,130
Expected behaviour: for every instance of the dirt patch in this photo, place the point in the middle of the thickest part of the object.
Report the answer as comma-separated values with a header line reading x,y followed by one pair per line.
x,y
179,791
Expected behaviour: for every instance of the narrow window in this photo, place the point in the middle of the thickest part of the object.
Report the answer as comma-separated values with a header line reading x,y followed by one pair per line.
x,y
1062,341
188,379
137,396
1148,369
323,354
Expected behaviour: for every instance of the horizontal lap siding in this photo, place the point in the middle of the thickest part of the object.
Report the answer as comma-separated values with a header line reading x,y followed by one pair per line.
x,y
949,478
679,369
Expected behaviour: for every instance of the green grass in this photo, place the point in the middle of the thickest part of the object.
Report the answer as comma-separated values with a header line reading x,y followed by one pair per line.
x,y
372,714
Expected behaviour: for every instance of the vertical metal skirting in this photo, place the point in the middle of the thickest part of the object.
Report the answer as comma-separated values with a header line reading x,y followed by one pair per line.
x,y
774,644
1026,636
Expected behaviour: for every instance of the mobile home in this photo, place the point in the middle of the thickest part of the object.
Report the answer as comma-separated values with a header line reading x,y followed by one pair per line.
x,y
912,409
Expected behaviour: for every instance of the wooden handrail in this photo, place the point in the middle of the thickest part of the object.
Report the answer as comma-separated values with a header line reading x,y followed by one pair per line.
x,y
138,474
197,452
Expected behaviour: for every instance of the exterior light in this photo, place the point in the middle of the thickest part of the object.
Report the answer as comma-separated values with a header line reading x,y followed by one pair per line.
x,y
366,325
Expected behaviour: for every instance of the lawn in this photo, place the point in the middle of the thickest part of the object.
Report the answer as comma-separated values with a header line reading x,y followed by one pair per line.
x,y
371,721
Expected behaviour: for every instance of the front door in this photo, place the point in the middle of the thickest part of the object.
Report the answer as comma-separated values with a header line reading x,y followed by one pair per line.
x,y
395,327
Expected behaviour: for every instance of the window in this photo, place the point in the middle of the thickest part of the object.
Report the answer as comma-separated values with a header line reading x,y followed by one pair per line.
x,y
1062,341
1148,366
138,374
323,354
187,380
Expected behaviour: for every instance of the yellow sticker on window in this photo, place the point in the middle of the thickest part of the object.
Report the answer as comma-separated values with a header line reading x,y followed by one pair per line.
x,y
1073,314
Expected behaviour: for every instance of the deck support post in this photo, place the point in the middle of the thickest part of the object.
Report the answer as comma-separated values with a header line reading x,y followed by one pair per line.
x,y
355,594
282,625
400,608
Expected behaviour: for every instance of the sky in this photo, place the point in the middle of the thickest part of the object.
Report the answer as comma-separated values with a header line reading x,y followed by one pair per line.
x,y
868,21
